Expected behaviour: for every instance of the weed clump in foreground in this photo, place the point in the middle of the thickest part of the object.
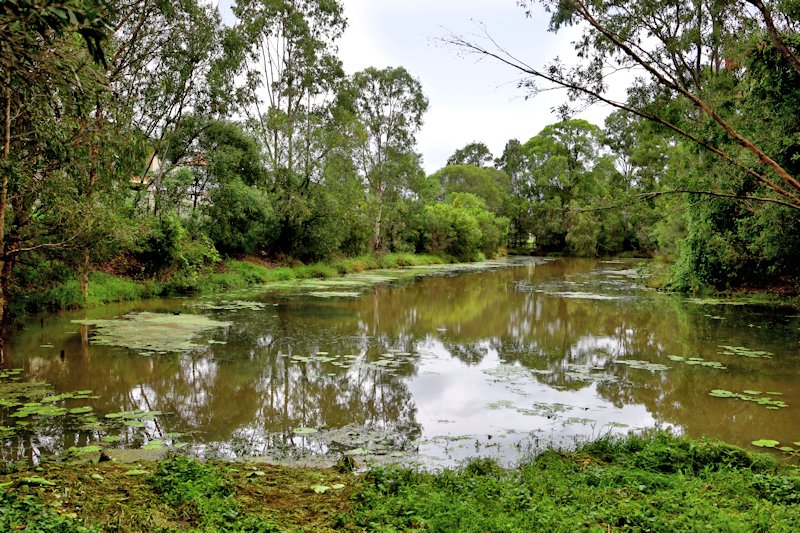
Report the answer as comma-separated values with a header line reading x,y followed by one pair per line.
x,y
655,482
202,497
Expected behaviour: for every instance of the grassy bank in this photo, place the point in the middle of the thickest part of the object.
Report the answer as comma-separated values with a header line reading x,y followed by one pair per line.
x,y
653,483
230,275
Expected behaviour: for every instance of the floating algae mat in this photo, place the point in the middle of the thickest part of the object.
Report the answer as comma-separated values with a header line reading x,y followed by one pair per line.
x,y
229,305
155,332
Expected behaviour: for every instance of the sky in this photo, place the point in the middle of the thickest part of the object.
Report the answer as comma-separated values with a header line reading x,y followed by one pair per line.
x,y
470,100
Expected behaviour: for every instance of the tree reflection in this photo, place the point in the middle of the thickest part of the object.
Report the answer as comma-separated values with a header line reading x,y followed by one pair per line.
x,y
250,394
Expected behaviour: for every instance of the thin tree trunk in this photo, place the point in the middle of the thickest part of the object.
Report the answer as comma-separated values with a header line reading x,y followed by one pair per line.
x,y
3,207
376,243
85,275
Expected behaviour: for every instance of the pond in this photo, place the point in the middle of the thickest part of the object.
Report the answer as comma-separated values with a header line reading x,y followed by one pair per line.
x,y
428,365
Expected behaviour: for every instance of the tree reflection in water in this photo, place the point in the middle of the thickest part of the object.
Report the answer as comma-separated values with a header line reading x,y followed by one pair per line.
x,y
561,325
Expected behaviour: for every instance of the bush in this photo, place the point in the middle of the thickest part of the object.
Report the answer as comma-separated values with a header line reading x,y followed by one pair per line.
x,y
240,219
463,228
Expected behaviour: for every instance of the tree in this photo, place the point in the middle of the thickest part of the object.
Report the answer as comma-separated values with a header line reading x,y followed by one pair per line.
x,y
388,105
560,164
474,153
158,81
49,53
674,47
292,74
492,185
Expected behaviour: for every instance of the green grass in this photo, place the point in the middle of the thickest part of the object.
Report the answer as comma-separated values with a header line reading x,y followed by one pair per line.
x,y
655,482
233,275
102,288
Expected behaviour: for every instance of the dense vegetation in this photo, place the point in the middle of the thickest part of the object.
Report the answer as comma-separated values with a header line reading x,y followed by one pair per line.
x,y
699,162
132,152
655,482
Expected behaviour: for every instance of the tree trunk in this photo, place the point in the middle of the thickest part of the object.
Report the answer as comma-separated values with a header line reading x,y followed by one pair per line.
x,y
85,276
376,243
4,282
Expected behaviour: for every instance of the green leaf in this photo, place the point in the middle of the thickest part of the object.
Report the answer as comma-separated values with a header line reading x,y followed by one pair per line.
x,y
765,443
319,489
37,481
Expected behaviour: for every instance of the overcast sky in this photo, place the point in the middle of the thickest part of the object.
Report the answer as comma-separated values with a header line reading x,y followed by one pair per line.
x,y
470,100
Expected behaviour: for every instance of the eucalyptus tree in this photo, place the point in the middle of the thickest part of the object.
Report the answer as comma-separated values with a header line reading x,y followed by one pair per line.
x,y
167,62
490,184
388,106
514,163
291,76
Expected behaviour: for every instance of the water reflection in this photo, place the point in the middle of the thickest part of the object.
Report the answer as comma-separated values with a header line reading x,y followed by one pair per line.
x,y
491,363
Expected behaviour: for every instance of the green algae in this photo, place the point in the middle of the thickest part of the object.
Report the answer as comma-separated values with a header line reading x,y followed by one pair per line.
x,y
156,332
229,305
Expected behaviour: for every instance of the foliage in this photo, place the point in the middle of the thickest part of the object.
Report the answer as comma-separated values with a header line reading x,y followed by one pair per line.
x,y
463,228
493,186
474,154
711,117
239,218
652,482
387,106
18,513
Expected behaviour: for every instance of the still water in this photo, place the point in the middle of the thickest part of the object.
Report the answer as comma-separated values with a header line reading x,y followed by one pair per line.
x,y
427,366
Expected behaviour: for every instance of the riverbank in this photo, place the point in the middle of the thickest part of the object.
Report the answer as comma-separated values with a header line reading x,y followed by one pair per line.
x,y
104,287
655,482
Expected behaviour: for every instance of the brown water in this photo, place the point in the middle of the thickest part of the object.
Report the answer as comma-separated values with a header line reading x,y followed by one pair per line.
x,y
432,369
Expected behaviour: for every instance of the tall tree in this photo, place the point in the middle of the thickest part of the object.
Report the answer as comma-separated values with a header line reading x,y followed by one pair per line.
x,y
561,160
292,73
388,105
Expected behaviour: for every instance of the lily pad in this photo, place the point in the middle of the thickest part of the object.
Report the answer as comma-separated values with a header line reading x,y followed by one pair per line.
x,y
748,396
642,365
83,450
746,352
229,305
765,443
306,431
319,489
